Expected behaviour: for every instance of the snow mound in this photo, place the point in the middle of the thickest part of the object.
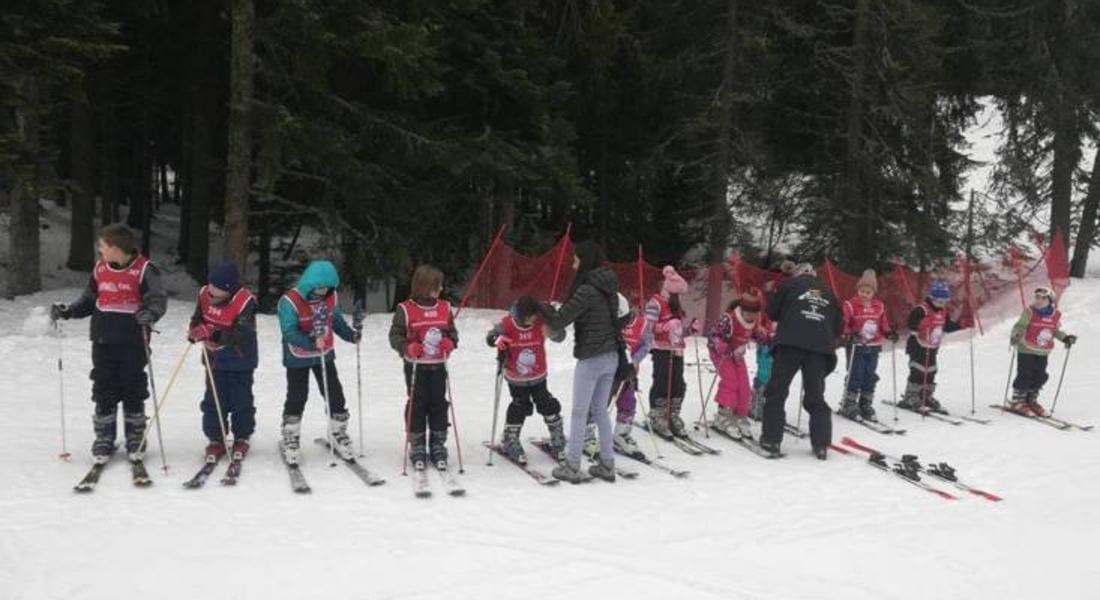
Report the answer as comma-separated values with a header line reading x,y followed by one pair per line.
x,y
37,322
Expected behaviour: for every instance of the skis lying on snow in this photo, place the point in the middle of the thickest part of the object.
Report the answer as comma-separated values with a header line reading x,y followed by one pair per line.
x,y
356,467
941,471
904,471
941,415
297,479
653,463
535,474
544,445
1047,420
747,443
876,426
422,487
91,479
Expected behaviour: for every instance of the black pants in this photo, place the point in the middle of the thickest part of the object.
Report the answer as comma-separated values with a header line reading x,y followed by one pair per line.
x,y
1031,372
238,409
526,398
118,375
922,362
429,399
297,389
668,376
814,367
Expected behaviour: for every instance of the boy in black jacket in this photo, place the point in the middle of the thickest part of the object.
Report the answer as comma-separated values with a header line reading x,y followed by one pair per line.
x,y
124,297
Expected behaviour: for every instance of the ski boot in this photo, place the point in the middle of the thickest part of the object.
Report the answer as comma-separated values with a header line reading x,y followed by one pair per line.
x,y
215,450
240,449
867,407
602,470
744,426
821,452
134,430
676,424
437,447
510,445
658,420
849,406
930,402
340,440
591,442
290,445
911,399
1033,404
624,442
567,471
725,421
557,435
769,447
106,428
1019,403
418,452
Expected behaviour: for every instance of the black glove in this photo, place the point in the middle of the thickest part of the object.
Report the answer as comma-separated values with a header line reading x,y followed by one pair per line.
x,y
1069,340
145,318
59,310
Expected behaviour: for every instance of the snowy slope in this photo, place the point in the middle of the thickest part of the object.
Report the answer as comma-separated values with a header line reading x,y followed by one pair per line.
x,y
739,527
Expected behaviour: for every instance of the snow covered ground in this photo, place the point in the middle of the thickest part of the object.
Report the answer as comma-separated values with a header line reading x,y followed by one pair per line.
x,y
738,527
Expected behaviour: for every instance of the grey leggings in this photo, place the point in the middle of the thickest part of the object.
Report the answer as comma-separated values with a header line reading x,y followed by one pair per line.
x,y
592,380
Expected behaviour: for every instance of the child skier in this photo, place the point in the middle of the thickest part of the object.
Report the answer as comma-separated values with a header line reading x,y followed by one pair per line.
x,y
927,323
124,297
310,318
666,397
1033,336
424,334
727,343
865,327
224,321
520,338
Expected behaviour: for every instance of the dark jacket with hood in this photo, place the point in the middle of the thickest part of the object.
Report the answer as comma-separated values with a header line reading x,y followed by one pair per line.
x,y
808,315
591,309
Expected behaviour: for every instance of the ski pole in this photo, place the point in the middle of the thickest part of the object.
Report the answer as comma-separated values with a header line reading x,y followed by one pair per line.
x,y
454,423
645,415
320,331
972,390
1008,381
848,368
217,401
496,405
699,378
668,396
146,333
710,394
801,399
1061,377
894,375
61,389
408,418
357,322
171,382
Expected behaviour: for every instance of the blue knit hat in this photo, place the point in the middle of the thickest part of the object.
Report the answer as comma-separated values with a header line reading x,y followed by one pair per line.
x,y
940,290
225,277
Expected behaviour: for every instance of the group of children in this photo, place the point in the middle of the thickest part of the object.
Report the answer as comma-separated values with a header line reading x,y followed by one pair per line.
x,y
125,298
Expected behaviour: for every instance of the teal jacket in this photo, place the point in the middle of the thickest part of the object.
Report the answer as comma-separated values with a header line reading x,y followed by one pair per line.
x,y
319,273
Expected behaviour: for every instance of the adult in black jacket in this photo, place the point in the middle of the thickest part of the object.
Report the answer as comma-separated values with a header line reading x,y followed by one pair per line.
x,y
591,308
809,323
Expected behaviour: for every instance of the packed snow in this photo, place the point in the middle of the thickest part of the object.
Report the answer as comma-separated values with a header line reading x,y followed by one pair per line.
x,y
738,527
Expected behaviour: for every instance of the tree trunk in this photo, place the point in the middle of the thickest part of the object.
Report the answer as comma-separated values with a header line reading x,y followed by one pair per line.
x,y
263,287
202,184
1067,153
24,275
720,223
862,243
1086,234
108,148
184,177
82,228
237,181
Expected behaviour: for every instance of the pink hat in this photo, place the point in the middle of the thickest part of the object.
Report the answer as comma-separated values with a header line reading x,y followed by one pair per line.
x,y
673,284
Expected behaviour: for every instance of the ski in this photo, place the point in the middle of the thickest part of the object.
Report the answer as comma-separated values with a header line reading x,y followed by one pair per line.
x,y
89,481
544,445
450,482
356,467
421,487
939,416
680,443
202,475
941,471
904,472
535,474
1049,421
795,431
978,420
875,426
655,464
747,443
700,445
138,475
232,472
1069,424
297,478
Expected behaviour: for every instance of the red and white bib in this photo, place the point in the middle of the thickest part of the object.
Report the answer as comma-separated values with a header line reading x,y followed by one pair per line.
x,y
930,331
633,333
304,308
425,325
663,337
866,320
1040,330
526,358
221,316
119,290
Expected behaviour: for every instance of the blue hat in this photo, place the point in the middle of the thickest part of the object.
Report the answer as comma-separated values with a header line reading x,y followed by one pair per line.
x,y
225,277
940,290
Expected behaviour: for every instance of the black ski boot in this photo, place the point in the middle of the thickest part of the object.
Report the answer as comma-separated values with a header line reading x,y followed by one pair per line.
x,y
106,429
867,407
418,453
437,446
849,406
134,428
821,452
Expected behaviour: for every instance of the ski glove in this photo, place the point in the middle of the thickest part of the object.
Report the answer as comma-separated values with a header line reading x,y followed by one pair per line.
x,y
145,318
200,333
502,343
414,350
59,310
1069,340
446,346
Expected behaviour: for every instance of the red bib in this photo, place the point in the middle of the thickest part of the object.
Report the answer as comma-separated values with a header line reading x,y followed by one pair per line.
x,y
304,309
425,325
633,333
119,290
666,340
222,316
1040,330
930,330
866,320
526,359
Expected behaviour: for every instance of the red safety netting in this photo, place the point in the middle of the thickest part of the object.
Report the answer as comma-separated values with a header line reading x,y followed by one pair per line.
x,y
979,290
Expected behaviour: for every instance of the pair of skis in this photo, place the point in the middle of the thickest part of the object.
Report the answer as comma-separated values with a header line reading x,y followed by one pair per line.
x,y
685,442
232,473
1045,420
422,487
874,425
908,468
139,476
941,415
300,485
544,445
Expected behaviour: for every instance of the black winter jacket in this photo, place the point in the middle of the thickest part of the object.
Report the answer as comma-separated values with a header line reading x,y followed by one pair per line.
x,y
808,314
591,309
